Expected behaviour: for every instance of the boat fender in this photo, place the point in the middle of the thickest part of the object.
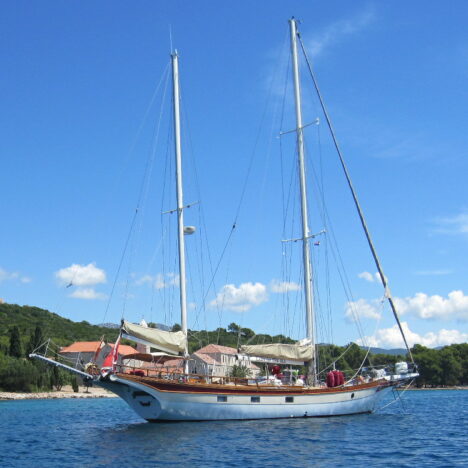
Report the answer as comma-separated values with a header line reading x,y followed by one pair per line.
x,y
330,379
340,380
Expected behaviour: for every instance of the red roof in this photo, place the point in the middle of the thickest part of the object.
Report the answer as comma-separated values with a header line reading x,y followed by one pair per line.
x,y
206,358
124,349
214,348
92,346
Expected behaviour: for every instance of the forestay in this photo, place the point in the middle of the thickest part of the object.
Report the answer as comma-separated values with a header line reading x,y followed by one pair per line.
x,y
169,342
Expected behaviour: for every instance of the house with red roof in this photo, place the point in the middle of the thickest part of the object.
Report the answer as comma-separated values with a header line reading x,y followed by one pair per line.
x,y
81,352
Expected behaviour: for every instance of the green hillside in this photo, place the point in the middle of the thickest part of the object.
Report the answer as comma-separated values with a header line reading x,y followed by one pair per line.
x,y
61,330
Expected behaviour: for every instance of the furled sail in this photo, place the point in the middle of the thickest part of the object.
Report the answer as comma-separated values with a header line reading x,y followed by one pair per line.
x,y
295,352
169,342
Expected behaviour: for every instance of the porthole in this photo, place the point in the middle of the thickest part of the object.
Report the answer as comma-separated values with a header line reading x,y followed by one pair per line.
x,y
352,396
255,399
222,399
289,399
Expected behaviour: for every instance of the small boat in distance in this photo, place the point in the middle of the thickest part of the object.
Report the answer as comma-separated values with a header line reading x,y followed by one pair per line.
x,y
158,396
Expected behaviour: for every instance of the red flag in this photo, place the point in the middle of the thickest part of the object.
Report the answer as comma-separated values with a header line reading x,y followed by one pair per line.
x,y
111,359
98,350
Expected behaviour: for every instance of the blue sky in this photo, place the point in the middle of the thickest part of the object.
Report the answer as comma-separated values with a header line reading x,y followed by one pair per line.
x,y
77,131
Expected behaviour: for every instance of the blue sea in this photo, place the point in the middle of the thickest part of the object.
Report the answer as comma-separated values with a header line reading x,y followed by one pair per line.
x,y
426,428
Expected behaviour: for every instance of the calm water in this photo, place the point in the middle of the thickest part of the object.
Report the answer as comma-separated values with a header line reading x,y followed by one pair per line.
x,y
431,429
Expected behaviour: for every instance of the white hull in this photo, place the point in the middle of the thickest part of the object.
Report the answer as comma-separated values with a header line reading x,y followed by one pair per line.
x,y
154,405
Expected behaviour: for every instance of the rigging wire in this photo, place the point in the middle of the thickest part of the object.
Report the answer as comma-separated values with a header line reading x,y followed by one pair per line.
x,y
358,206
139,199
144,190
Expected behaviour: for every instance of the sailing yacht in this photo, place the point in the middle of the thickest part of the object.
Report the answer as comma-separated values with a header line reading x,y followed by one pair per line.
x,y
183,396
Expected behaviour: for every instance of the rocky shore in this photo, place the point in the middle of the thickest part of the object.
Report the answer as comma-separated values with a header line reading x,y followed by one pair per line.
x,y
65,392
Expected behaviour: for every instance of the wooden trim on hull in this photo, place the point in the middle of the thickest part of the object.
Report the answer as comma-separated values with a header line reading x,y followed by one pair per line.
x,y
162,385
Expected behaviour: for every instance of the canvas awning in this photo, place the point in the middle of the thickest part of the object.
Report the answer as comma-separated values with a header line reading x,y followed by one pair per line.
x,y
294,352
169,342
158,358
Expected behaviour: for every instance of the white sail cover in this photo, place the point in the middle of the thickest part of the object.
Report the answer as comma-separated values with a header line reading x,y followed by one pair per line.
x,y
295,352
170,342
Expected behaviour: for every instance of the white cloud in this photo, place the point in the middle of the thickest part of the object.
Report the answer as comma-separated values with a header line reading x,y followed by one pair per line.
x,y
159,281
87,293
365,275
12,276
81,275
457,224
371,278
455,306
281,287
391,338
362,309
242,298
421,305
338,30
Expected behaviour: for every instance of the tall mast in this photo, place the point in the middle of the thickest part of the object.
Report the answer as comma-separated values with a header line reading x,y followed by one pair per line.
x,y
180,199
304,211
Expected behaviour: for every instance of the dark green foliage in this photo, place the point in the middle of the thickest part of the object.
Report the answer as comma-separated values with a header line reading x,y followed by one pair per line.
x,y
21,375
58,378
36,340
61,330
239,371
233,328
74,384
446,366
15,343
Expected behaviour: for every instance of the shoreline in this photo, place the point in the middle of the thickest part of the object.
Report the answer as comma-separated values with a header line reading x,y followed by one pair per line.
x,y
66,392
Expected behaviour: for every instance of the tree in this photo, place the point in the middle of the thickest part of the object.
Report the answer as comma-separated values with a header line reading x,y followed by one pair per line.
x,y
451,368
233,328
247,333
176,327
15,343
74,384
428,361
57,378
36,339
240,371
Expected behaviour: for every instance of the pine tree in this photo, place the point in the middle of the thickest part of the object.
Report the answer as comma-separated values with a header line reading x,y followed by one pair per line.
x,y
36,339
15,343
74,384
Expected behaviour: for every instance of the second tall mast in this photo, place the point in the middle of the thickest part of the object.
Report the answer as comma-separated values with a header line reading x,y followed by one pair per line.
x,y
180,197
304,211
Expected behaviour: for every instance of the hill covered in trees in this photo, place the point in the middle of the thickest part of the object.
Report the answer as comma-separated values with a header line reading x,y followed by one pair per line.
x,y
24,328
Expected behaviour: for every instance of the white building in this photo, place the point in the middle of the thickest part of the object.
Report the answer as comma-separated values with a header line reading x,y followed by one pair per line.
x,y
217,360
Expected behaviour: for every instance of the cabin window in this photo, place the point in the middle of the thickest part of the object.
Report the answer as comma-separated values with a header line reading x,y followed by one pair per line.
x,y
222,399
289,399
255,399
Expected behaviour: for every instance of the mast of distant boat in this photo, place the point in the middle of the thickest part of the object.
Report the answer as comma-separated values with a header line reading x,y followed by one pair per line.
x,y
180,199
304,211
